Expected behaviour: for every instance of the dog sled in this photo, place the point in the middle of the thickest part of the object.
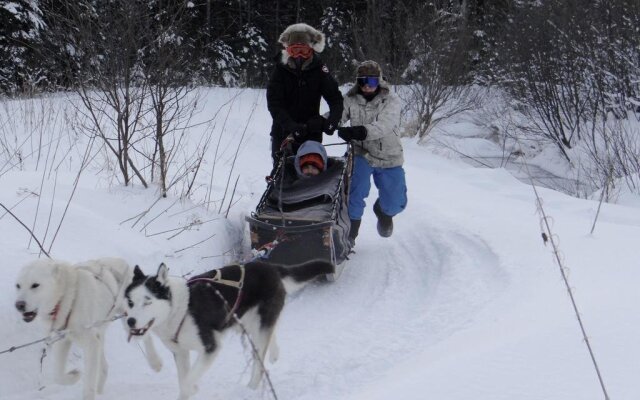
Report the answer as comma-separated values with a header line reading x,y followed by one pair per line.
x,y
303,219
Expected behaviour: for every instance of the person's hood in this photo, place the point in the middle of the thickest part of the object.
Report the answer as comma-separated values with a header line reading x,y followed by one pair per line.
x,y
310,147
301,33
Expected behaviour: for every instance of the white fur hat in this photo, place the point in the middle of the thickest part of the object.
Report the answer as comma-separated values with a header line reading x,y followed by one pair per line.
x,y
303,33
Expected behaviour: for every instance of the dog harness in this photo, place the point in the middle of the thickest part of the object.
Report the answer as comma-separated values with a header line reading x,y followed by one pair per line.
x,y
56,310
217,278
54,315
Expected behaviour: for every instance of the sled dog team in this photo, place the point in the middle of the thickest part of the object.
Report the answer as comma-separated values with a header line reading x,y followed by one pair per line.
x,y
186,315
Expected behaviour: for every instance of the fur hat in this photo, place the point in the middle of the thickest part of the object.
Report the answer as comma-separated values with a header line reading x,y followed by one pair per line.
x,y
303,33
369,68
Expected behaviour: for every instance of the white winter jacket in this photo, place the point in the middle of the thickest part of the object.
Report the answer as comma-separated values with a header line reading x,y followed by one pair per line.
x,y
381,117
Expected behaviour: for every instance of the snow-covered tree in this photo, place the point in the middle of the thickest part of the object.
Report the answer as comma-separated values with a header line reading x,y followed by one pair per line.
x,y
253,53
339,48
219,64
20,28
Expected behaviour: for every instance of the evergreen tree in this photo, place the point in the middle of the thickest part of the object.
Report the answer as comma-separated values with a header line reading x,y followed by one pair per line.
x,y
338,53
20,29
253,53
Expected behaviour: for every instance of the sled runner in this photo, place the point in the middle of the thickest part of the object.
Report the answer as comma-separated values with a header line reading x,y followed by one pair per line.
x,y
303,219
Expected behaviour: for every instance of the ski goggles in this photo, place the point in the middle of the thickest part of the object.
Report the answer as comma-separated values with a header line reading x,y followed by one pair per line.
x,y
371,81
299,50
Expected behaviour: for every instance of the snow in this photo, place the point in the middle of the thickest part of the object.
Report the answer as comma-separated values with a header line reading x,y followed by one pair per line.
x,y
464,301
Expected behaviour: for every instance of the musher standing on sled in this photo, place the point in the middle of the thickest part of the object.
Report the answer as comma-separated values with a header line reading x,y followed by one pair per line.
x,y
374,112
298,82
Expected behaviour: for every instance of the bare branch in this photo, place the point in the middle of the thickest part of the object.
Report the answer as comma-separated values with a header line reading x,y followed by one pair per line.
x,y
28,230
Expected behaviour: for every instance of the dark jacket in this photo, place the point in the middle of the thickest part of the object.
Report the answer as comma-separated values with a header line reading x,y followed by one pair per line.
x,y
293,96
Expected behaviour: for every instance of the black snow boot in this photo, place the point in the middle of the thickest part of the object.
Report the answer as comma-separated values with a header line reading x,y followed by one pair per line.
x,y
353,231
385,222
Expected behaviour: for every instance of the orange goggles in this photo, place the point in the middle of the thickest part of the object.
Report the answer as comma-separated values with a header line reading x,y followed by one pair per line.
x,y
300,50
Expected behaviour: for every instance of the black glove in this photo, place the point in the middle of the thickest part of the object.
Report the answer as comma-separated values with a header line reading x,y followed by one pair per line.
x,y
300,135
352,133
315,124
328,127
298,131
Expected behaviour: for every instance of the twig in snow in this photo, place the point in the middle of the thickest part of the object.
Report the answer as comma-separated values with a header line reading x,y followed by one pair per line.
x,y
83,165
195,244
604,190
226,215
235,156
139,216
28,230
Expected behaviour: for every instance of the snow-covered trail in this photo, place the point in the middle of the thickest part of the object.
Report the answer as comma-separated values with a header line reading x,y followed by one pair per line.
x,y
393,298
397,297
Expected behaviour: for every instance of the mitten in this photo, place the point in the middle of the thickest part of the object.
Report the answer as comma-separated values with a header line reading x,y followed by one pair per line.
x,y
328,127
300,132
315,124
352,133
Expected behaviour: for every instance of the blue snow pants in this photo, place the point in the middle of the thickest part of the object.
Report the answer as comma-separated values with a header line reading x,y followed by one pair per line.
x,y
392,188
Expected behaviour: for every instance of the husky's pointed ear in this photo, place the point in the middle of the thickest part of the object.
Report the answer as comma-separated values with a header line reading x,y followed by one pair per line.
x,y
138,274
162,274
57,271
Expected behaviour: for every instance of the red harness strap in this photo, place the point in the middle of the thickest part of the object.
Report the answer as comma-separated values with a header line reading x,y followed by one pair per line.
x,y
54,316
54,313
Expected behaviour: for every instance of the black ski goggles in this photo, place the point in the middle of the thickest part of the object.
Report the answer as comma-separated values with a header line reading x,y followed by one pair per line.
x,y
371,81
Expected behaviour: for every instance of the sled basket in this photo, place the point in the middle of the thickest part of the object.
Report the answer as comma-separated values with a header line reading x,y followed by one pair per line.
x,y
308,217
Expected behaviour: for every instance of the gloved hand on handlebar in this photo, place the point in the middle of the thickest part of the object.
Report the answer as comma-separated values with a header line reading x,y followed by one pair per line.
x,y
320,124
314,125
328,127
297,131
349,133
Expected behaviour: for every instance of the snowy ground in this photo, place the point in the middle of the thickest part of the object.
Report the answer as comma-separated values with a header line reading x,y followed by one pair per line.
x,y
464,301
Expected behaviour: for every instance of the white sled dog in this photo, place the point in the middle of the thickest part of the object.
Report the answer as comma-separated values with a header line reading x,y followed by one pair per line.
x,y
76,298
193,315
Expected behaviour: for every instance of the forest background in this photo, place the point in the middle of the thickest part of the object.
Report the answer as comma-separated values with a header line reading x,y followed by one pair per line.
x,y
570,70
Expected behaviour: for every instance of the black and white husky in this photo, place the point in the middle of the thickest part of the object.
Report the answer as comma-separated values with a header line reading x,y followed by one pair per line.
x,y
191,315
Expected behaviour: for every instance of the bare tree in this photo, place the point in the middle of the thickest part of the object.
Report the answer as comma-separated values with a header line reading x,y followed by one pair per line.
x,y
613,156
135,79
172,97
439,69
554,90
107,39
